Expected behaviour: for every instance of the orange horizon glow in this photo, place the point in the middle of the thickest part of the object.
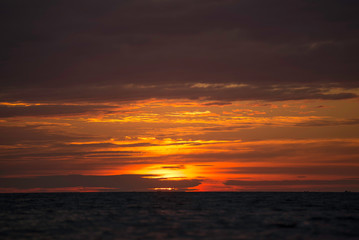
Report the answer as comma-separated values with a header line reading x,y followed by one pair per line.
x,y
190,140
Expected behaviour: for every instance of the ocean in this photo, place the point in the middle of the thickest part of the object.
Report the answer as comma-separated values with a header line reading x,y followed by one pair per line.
x,y
180,215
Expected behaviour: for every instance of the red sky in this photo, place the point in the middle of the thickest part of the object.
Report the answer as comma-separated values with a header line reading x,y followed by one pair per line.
x,y
179,95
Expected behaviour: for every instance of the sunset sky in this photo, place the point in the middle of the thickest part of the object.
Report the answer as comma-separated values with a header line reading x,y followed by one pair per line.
x,y
189,95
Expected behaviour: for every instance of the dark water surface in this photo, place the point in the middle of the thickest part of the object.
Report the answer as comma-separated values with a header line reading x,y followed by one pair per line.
x,y
174,215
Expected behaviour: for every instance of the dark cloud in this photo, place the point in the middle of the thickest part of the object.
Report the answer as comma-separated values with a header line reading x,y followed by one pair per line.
x,y
308,170
50,110
76,163
262,151
222,129
45,154
114,182
328,122
35,134
123,93
87,50
346,182
217,103
61,153
174,167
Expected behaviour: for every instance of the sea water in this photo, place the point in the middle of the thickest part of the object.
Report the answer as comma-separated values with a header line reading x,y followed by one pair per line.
x,y
179,215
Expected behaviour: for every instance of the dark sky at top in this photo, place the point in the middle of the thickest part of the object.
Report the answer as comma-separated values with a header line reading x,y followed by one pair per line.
x,y
139,49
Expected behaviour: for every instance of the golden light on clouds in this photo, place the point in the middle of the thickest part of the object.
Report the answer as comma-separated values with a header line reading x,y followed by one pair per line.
x,y
190,141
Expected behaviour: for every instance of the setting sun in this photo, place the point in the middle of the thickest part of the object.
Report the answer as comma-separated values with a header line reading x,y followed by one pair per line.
x,y
174,172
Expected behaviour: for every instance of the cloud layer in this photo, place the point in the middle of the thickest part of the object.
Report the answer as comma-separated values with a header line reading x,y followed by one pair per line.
x,y
114,182
89,51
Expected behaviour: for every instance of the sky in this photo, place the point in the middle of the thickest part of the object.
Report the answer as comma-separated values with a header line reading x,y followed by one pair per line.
x,y
179,95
